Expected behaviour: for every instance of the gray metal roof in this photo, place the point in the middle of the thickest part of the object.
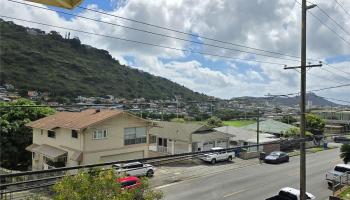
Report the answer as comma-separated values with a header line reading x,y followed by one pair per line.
x,y
270,126
241,134
211,135
187,132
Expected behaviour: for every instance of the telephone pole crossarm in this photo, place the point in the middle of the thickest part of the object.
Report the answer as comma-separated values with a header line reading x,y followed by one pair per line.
x,y
307,66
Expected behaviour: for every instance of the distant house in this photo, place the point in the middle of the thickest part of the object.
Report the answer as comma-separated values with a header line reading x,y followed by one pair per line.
x,y
33,94
175,138
270,126
87,137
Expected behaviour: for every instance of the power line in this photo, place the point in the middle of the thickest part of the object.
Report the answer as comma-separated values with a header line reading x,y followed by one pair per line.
x,y
347,78
318,19
314,90
342,7
331,66
145,43
340,100
187,33
154,33
335,21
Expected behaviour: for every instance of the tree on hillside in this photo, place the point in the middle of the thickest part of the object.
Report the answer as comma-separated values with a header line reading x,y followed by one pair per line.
x,y
101,185
345,153
315,124
214,122
15,136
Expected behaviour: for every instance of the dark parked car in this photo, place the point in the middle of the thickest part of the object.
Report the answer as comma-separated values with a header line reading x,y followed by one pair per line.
x,y
277,157
341,139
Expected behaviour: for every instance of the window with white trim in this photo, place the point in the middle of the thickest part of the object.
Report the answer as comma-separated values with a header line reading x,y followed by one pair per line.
x,y
99,134
137,135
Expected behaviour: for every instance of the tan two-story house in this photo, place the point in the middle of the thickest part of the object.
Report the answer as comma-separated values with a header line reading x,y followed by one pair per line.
x,y
87,137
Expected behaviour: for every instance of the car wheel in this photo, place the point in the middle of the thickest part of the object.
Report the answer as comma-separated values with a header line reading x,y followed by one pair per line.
x,y
149,173
229,158
213,161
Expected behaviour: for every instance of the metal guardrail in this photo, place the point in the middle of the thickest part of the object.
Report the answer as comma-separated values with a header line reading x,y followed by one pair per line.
x,y
339,181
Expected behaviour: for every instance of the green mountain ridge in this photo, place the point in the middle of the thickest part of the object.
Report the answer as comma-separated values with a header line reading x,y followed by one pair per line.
x,y
34,60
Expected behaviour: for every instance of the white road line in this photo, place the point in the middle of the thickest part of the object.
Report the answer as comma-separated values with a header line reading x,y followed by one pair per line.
x,y
234,193
205,175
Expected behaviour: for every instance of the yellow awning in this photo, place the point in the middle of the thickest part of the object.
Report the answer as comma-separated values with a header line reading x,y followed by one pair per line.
x,y
70,4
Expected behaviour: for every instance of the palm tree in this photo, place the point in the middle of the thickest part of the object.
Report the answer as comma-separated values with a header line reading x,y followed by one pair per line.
x,y
345,153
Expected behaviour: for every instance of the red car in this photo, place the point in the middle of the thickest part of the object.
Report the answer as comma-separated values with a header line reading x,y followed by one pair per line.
x,y
129,182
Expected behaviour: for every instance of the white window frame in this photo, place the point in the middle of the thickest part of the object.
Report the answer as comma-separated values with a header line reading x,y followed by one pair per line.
x,y
99,135
132,136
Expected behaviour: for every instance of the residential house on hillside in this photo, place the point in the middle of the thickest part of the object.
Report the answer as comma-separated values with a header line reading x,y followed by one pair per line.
x,y
270,126
175,138
87,137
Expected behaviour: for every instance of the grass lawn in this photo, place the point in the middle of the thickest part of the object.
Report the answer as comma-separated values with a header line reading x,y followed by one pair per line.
x,y
345,194
239,123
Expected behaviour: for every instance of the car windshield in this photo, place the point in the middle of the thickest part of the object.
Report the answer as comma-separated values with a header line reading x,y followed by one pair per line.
x,y
341,169
127,183
274,154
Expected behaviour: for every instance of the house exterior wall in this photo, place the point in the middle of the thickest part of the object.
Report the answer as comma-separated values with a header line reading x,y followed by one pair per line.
x,y
181,147
114,143
63,140
92,149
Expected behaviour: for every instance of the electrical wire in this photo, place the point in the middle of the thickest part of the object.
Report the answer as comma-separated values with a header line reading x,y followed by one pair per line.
x,y
347,12
186,33
331,18
154,33
145,43
324,24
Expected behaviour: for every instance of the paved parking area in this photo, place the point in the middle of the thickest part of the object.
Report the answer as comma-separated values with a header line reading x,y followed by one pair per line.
x,y
186,170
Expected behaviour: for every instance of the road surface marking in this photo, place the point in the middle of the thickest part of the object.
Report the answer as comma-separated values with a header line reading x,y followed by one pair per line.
x,y
205,175
234,193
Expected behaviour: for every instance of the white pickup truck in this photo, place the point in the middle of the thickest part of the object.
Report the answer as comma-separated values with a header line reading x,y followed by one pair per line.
x,y
338,174
219,155
289,193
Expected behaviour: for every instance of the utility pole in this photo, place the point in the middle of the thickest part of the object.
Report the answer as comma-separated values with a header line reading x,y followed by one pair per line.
x,y
303,67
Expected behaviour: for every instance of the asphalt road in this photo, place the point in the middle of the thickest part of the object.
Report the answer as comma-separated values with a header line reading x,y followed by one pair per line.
x,y
257,182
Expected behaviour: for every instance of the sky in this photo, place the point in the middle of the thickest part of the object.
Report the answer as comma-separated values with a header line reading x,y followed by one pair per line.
x,y
270,25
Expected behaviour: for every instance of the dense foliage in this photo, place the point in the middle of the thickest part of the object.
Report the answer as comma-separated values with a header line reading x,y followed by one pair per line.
x,y
101,185
315,124
295,133
345,153
288,119
15,136
214,122
67,68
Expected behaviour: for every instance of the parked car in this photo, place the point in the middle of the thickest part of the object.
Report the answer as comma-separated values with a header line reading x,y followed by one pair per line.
x,y
336,175
289,193
341,139
129,182
134,169
220,155
277,157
